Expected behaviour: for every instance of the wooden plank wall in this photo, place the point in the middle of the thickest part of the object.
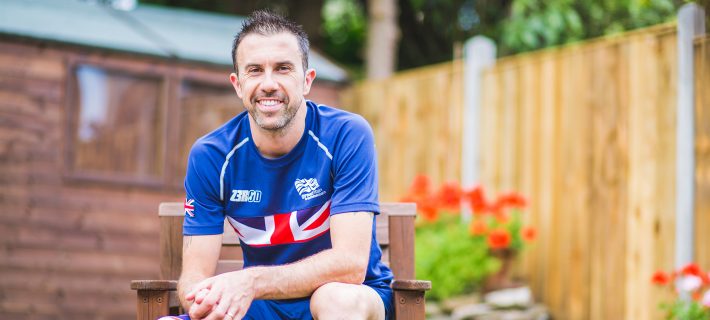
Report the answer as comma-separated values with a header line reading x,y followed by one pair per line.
x,y
417,119
67,250
588,132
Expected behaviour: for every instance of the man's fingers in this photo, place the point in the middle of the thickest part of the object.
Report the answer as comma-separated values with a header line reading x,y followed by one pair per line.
x,y
199,311
202,285
235,313
222,309
205,303
211,298
200,296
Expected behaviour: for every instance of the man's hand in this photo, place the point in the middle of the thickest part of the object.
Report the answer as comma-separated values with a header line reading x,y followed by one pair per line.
x,y
226,296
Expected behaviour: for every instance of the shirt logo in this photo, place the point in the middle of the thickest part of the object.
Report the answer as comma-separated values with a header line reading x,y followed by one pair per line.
x,y
189,207
246,196
308,188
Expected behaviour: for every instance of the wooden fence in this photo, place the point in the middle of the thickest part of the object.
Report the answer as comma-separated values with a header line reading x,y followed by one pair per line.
x,y
588,133
417,118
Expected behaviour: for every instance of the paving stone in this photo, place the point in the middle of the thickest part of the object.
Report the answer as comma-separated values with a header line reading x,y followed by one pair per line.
x,y
510,298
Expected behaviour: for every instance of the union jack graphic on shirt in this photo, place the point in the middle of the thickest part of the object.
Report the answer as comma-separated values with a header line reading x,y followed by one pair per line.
x,y
189,207
283,228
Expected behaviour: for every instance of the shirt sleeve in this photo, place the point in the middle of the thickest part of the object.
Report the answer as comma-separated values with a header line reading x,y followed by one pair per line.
x,y
355,169
204,211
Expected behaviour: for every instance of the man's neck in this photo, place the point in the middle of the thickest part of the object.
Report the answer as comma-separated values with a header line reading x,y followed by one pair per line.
x,y
274,144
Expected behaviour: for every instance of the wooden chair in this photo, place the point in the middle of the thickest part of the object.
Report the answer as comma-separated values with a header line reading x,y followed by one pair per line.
x,y
395,233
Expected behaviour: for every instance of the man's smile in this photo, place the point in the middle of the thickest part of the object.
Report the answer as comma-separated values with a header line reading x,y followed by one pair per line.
x,y
269,104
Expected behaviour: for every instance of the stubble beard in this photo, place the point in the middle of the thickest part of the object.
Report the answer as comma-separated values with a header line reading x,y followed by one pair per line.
x,y
284,118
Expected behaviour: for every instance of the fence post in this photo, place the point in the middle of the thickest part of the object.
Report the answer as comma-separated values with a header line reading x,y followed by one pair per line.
x,y
479,54
691,23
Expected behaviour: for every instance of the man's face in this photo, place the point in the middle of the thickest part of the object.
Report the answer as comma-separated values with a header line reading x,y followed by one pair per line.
x,y
271,81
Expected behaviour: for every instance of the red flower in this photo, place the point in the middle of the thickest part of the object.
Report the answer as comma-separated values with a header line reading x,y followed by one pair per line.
x,y
660,278
499,239
449,196
705,277
477,227
421,186
427,206
691,269
513,200
477,200
528,233
508,200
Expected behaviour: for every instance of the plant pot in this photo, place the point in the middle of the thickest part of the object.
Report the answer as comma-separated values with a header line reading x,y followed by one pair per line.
x,y
502,279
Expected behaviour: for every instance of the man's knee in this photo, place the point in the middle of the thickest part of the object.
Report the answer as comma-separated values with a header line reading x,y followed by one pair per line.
x,y
339,301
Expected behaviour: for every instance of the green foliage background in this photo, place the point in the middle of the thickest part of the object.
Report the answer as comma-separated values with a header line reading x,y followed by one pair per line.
x,y
430,28
686,310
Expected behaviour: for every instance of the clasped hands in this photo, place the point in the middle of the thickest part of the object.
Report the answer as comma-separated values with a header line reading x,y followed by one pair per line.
x,y
225,296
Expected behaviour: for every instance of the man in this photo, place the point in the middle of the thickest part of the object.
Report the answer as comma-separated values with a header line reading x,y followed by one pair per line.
x,y
297,181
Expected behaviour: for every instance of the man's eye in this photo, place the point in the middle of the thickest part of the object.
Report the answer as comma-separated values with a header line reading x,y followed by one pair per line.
x,y
253,70
284,68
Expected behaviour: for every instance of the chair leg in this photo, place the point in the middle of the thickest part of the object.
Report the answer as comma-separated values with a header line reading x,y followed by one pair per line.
x,y
409,304
152,304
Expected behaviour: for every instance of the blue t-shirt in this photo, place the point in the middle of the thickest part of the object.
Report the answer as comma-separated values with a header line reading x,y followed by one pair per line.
x,y
280,208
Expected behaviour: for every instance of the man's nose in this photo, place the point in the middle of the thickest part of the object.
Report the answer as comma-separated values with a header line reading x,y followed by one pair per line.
x,y
269,83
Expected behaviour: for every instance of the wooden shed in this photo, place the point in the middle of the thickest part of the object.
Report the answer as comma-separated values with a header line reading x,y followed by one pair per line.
x,y
98,109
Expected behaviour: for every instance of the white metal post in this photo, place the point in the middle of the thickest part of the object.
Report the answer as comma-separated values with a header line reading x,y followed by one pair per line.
x,y
479,54
691,23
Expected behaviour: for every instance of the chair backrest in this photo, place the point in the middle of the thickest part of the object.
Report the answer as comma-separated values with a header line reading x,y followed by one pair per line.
x,y
394,231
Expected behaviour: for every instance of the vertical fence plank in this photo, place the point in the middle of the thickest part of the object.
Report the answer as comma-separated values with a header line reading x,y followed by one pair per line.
x,y
609,181
576,160
548,170
530,141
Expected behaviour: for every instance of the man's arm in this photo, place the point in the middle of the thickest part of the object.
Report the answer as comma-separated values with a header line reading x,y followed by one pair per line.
x,y
346,262
199,261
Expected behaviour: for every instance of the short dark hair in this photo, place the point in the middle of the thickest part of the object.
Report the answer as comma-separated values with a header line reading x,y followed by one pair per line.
x,y
266,22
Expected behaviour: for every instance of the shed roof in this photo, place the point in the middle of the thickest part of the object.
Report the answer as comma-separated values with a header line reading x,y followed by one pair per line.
x,y
148,29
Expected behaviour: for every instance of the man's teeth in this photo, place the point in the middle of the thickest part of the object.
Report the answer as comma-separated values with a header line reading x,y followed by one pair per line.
x,y
269,102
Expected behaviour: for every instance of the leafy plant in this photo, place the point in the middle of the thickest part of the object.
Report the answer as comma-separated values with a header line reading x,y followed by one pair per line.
x,y
458,255
448,256
692,287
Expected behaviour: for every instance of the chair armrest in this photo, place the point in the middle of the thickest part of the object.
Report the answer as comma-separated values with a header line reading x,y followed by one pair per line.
x,y
155,297
409,298
411,285
156,285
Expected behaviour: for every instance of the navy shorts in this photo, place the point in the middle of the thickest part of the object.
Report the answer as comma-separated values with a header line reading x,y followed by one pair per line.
x,y
293,309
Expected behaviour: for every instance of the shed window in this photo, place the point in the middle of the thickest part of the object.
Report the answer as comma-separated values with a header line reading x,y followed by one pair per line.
x,y
204,107
119,124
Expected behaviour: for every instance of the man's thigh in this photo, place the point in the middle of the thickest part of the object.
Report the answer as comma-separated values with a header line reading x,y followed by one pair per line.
x,y
347,301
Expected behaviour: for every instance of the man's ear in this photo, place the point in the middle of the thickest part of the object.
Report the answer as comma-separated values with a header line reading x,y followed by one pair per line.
x,y
234,79
308,81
